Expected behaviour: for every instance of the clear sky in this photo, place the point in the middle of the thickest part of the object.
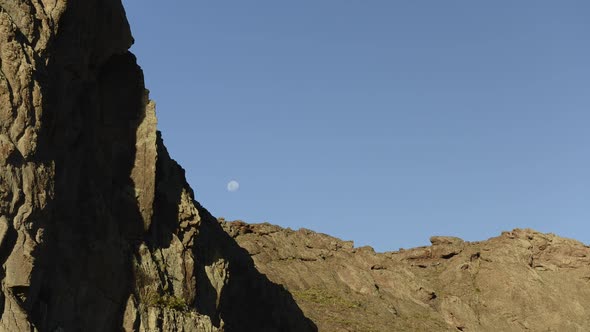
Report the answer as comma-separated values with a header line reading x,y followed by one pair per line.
x,y
382,122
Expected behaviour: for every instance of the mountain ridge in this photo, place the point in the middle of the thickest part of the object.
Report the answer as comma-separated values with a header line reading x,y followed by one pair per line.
x,y
100,231
522,280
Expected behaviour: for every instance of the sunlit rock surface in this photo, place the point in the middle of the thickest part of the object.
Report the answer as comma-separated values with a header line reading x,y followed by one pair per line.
x,y
520,281
99,230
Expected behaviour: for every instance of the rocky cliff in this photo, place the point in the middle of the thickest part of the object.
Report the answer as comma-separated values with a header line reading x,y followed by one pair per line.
x,y
522,280
99,230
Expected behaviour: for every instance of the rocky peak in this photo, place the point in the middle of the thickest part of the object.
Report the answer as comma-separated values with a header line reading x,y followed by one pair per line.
x,y
99,230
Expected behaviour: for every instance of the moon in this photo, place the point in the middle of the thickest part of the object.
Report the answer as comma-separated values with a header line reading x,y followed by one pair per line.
x,y
233,186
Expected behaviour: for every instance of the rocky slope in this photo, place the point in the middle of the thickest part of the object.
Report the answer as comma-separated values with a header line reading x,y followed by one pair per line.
x,y
99,230
520,281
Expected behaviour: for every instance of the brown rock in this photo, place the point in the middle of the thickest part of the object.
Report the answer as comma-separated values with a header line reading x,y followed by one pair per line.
x,y
527,281
445,240
99,230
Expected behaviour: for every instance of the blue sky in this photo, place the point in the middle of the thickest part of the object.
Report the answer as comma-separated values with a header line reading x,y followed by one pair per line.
x,y
382,122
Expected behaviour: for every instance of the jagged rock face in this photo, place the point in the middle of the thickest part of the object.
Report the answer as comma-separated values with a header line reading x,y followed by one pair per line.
x,y
520,281
98,229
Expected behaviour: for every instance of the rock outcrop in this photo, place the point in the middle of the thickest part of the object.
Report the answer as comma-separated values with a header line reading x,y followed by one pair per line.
x,y
520,281
99,230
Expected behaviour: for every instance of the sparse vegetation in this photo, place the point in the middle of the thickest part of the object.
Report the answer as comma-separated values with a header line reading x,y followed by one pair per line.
x,y
170,302
323,297
147,289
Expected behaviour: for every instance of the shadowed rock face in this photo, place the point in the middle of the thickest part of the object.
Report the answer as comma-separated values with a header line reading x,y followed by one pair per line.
x,y
520,281
99,230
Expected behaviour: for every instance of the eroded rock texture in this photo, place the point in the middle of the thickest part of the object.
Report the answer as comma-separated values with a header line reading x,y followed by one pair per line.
x,y
98,229
520,281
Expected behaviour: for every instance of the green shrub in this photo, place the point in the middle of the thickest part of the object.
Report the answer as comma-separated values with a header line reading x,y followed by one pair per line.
x,y
172,302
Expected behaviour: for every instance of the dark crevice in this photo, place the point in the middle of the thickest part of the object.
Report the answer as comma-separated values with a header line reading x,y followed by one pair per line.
x,y
8,244
449,255
5,251
36,25
20,293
